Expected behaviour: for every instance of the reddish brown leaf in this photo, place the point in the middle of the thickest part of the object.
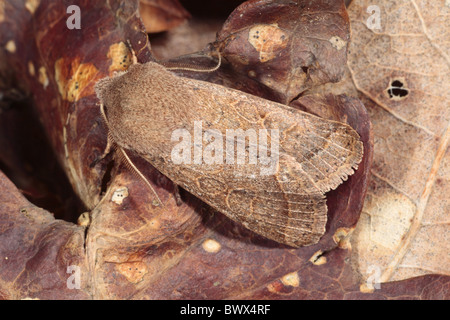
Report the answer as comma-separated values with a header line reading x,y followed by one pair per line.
x,y
133,249
162,15
287,46
36,250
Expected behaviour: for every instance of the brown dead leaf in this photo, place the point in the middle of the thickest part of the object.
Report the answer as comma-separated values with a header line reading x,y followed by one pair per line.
x,y
36,250
133,248
162,15
287,46
189,37
403,72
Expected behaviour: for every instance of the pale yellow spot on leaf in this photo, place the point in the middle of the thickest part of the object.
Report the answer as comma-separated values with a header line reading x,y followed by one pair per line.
x,y
291,279
120,56
72,78
119,195
155,224
133,271
337,42
32,5
342,237
11,46
84,219
317,258
274,287
365,288
31,69
43,78
268,40
211,246
390,220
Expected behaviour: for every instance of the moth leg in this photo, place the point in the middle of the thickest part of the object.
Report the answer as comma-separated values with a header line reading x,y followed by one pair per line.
x,y
109,142
123,155
176,193
135,170
108,148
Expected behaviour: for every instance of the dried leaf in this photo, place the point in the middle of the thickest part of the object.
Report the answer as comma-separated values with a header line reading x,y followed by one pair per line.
x,y
162,15
132,249
36,249
404,70
287,46
189,37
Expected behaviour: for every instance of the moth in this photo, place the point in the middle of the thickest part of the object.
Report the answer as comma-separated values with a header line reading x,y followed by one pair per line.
x,y
270,175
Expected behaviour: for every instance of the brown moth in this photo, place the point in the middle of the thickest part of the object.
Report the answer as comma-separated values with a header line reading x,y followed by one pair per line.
x,y
202,136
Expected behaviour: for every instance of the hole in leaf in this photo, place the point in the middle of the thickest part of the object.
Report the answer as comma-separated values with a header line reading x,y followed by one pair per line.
x,y
397,90
397,83
107,176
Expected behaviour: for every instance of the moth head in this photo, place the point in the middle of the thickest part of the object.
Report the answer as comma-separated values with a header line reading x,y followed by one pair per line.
x,y
109,91
103,89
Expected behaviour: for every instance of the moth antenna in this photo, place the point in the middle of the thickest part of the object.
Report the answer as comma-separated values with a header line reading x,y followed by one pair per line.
x,y
190,67
124,155
134,169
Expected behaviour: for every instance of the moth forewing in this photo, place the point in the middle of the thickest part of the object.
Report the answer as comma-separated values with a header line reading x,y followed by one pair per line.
x,y
272,178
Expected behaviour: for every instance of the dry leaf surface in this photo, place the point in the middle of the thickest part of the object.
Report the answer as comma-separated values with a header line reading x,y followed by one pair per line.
x,y
287,46
403,72
162,15
131,248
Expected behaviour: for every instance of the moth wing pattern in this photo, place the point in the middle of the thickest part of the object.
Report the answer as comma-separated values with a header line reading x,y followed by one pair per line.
x,y
314,155
288,217
289,206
